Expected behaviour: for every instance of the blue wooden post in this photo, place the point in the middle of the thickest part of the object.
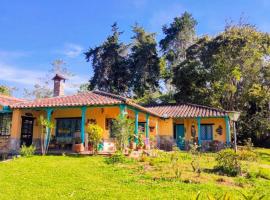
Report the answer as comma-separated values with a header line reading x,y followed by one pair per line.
x,y
228,132
136,131
48,130
199,130
147,129
122,110
83,123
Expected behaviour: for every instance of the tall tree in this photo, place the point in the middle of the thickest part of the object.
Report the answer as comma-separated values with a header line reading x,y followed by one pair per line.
x,y
109,61
230,71
144,62
179,35
43,88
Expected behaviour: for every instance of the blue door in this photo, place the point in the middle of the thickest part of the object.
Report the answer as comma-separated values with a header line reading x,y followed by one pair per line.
x,y
180,136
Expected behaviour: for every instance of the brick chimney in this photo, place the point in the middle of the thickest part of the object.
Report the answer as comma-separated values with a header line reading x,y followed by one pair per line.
x,y
59,82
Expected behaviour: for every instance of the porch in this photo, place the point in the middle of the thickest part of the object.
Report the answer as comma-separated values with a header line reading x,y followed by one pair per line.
x,y
71,122
209,133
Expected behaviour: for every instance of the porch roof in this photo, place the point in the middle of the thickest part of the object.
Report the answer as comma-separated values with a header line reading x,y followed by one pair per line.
x,y
8,100
186,110
91,98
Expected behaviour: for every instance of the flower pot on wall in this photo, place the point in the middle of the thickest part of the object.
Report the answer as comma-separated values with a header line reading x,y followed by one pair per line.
x,y
78,147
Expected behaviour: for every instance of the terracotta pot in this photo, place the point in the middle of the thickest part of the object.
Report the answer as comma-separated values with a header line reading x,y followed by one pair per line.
x,y
132,145
78,148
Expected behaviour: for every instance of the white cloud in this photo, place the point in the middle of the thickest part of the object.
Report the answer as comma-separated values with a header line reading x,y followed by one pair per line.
x,y
71,50
26,78
12,55
19,75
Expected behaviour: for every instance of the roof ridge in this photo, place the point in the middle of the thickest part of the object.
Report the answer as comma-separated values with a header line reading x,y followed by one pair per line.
x,y
111,95
184,103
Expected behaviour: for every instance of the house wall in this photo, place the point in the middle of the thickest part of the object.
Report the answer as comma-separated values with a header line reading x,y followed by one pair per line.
x,y
98,114
166,140
216,122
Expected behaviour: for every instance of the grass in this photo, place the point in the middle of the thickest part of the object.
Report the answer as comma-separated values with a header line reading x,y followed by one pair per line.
x,y
64,177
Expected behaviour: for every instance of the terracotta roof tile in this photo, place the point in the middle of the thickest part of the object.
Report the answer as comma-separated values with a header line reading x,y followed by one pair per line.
x,y
80,99
7,100
186,110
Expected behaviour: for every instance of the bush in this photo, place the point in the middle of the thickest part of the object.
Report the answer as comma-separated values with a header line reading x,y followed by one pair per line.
x,y
118,157
27,151
228,162
247,155
123,131
94,135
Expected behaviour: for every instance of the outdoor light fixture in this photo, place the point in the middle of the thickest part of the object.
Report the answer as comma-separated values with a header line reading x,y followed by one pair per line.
x,y
234,116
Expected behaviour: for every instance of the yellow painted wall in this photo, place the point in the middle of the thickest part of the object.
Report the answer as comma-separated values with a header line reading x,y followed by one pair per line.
x,y
98,114
165,127
215,121
162,127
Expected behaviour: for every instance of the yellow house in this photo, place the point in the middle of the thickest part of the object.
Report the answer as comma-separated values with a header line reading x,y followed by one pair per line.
x,y
167,124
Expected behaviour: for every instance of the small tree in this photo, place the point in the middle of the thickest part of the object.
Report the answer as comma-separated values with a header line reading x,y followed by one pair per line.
x,y
45,136
123,131
94,135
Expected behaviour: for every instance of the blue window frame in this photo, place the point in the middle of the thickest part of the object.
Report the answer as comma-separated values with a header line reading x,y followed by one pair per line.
x,y
206,132
67,127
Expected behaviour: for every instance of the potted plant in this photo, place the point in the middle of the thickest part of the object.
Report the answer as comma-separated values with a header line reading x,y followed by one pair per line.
x,y
78,145
140,144
132,143
94,136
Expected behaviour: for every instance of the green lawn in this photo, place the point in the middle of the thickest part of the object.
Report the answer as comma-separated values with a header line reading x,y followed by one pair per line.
x,y
64,177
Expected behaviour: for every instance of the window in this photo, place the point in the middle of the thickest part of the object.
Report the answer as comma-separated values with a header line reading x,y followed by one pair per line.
x,y
142,126
5,123
206,132
68,127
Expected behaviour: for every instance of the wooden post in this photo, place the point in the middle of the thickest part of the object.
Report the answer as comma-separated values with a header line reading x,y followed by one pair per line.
x,y
83,124
122,110
147,130
228,132
199,130
48,130
136,131
235,137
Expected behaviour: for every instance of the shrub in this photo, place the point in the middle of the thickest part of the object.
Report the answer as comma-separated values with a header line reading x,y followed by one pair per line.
x,y
247,155
118,157
94,135
228,162
195,163
27,151
123,131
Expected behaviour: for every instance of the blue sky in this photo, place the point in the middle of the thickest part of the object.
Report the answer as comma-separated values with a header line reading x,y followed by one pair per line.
x,y
36,32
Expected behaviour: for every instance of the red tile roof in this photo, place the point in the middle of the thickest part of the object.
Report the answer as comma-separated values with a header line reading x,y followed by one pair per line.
x,y
186,110
7,100
81,99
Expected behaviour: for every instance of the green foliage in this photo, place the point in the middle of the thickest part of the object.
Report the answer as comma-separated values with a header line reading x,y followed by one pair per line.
x,y
247,155
117,157
144,62
230,71
122,130
109,61
44,136
5,90
228,162
27,151
195,163
179,35
94,132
